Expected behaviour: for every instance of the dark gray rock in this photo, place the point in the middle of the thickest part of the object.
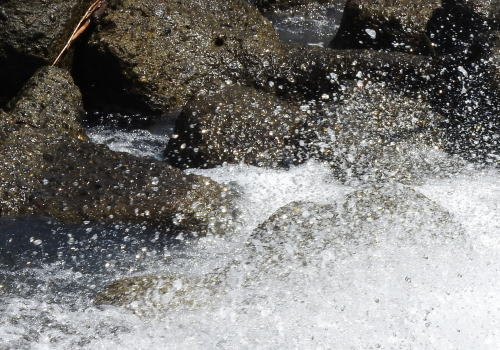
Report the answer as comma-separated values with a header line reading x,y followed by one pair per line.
x,y
49,100
164,52
157,55
31,35
426,27
47,168
235,124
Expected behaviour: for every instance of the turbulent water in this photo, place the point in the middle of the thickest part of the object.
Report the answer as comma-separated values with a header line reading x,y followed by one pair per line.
x,y
411,294
437,294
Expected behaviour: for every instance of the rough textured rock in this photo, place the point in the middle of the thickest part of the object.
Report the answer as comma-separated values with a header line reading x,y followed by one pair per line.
x,y
46,170
233,125
428,26
164,52
49,100
152,55
161,292
31,34
375,134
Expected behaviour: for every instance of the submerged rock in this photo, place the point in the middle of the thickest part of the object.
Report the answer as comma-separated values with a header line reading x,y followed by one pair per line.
x,y
305,233
294,233
31,35
397,213
235,125
47,168
143,293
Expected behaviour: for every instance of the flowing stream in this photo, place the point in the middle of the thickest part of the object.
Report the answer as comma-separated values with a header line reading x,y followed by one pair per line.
x,y
410,294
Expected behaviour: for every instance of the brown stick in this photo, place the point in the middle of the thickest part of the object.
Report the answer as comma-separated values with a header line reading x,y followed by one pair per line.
x,y
80,28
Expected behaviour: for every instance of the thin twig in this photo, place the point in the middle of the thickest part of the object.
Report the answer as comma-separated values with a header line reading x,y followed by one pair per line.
x,y
80,28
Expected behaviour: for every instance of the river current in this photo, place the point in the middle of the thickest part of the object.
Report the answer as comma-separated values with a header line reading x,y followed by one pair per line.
x,y
409,295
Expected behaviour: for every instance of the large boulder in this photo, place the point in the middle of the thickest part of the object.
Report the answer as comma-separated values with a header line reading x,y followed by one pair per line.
x,y
235,124
164,52
45,169
31,35
154,56
426,26
375,134
305,233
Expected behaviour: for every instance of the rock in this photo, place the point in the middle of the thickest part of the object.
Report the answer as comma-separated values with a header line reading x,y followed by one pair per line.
x,y
47,169
236,124
153,56
31,35
305,233
160,292
375,134
50,100
397,213
293,233
164,52
425,27
75,181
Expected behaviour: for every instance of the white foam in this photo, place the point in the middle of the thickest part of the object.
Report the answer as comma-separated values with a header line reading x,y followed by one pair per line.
x,y
414,296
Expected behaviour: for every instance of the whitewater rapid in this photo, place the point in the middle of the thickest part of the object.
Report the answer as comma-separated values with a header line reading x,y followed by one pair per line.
x,y
419,295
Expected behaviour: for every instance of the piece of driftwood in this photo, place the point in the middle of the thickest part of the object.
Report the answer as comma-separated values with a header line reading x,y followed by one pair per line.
x,y
97,8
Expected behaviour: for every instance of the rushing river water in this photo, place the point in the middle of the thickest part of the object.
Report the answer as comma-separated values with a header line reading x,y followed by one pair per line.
x,y
422,294
410,294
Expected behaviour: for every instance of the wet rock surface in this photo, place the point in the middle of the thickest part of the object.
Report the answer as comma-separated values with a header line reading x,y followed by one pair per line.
x,y
146,293
165,52
235,125
425,27
49,100
46,170
375,134
31,33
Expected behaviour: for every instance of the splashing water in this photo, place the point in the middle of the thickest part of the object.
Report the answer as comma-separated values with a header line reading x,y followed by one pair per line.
x,y
437,294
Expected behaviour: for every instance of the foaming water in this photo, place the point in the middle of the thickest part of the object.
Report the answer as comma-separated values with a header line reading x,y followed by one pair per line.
x,y
418,294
